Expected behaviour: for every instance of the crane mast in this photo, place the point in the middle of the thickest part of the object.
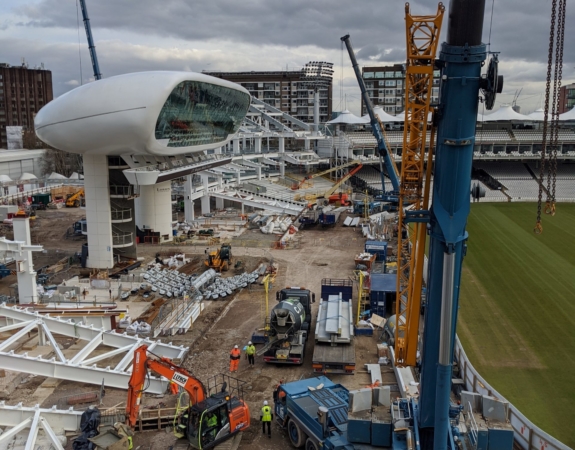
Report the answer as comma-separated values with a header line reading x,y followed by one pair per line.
x,y
376,127
422,35
91,46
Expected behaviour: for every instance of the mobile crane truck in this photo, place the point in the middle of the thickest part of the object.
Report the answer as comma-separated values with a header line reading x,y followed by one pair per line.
x,y
231,412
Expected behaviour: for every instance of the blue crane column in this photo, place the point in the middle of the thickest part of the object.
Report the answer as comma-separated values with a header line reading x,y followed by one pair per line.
x,y
91,46
461,57
382,149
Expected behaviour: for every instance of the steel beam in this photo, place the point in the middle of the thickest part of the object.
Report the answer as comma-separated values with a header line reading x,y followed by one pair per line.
x,y
8,435
57,325
14,338
51,339
66,371
95,359
14,415
87,350
15,326
31,441
50,433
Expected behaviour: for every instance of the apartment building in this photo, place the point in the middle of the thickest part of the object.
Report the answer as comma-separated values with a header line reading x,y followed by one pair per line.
x,y
23,91
285,91
386,87
566,98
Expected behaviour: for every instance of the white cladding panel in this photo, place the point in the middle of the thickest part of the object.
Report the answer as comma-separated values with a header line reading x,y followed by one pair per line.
x,y
117,115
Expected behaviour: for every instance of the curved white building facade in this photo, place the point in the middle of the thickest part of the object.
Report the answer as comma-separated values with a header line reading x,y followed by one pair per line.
x,y
157,113
148,113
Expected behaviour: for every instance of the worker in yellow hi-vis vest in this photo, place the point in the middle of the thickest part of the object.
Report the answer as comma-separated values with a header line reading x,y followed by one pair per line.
x,y
251,353
266,416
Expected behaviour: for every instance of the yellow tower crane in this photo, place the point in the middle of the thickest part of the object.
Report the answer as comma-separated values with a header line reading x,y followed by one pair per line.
x,y
422,35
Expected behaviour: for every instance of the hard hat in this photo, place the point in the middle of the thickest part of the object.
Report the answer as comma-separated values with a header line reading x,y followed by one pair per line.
x,y
265,403
249,342
235,346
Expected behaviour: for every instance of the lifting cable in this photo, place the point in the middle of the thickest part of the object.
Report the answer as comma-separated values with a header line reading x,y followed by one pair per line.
x,y
549,155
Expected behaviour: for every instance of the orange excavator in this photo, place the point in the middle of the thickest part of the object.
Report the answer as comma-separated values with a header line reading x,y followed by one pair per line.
x,y
210,418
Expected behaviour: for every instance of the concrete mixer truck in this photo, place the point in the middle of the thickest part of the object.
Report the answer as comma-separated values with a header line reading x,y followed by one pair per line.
x,y
288,327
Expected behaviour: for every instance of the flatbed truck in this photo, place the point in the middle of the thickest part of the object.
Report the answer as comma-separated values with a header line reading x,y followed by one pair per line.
x,y
339,359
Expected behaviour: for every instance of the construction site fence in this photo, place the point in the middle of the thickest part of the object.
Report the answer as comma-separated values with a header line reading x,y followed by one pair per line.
x,y
528,435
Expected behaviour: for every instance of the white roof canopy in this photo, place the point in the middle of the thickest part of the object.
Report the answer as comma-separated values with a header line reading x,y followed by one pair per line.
x,y
506,113
383,116
569,115
348,118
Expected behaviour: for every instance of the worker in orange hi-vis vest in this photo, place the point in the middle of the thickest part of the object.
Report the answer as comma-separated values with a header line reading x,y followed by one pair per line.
x,y
235,356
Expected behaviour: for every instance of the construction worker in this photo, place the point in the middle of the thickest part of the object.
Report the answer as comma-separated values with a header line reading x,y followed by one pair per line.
x,y
266,416
174,388
235,356
212,423
250,353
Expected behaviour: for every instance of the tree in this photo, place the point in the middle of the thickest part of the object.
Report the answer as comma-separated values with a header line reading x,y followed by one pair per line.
x,y
61,162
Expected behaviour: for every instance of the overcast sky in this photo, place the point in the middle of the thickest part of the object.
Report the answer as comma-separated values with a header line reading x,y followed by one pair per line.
x,y
231,35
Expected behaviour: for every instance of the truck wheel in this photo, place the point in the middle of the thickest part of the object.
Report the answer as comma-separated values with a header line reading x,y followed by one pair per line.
x,y
310,445
296,436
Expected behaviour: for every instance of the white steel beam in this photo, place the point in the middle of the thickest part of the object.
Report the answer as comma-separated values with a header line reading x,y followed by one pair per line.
x,y
8,435
87,350
127,359
15,326
14,415
95,359
50,433
66,371
31,442
88,333
52,340
14,338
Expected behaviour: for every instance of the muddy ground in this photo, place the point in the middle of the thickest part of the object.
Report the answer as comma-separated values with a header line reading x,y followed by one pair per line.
x,y
320,253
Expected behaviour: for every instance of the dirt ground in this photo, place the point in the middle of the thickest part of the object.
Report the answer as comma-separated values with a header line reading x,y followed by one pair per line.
x,y
320,253
49,230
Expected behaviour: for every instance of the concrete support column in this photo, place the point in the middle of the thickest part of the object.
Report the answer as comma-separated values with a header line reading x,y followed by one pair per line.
x,y
281,145
244,144
218,151
188,203
236,146
316,113
27,291
154,208
98,212
219,203
307,144
259,170
258,144
238,176
205,197
221,181
268,143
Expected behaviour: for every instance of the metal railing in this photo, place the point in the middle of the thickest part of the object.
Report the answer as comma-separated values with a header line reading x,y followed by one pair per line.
x,y
121,239
527,434
121,214
123,191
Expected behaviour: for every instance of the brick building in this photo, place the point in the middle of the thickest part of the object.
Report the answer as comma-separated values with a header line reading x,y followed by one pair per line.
x,y
566,98
284,90
23,92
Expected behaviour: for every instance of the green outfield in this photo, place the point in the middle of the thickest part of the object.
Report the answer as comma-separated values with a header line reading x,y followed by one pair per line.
x,y
517,309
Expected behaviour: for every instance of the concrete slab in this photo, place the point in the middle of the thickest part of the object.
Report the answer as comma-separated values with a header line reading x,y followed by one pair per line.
x,y
471,398
375,371
382,396
494,409
360,400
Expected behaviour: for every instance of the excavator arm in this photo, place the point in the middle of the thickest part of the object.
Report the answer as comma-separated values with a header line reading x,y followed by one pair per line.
x,y
164,367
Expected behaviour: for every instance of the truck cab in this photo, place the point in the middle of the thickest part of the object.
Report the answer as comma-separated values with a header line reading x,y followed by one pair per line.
x,y
314,413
